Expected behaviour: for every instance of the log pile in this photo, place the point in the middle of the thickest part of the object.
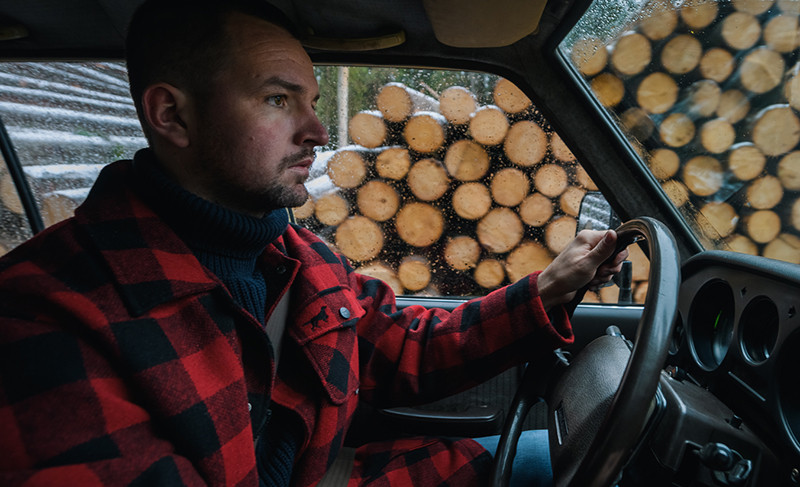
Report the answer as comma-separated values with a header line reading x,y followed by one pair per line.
x,y
446,196
709,92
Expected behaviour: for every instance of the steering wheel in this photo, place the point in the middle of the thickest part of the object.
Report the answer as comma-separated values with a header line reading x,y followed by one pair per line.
x,y
601,403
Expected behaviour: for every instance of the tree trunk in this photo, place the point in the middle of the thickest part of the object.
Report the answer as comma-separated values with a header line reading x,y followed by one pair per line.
x,y
428,180
500,230
589,55
526,258
489,273
551,180
664,163
733,106
765,192
367,129
488,125
457,104
462,252
419,224
359,239
789,171
466,161
717,136
393,163
378,200
785,247
740,30
721,217
347,168
631,54
703,175
681,54
525,144
536,209
762,226
776,130
471,201
703,98
657,93
717,64
424,132
559,232
608,88
761,70
509,98
414,272
746,161
397,102
509,187
331,209
699,14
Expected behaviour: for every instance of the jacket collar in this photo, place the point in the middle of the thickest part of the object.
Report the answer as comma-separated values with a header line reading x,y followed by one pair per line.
x,y
149,263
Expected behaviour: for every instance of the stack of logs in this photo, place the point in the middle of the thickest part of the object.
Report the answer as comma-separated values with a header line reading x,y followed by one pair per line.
x,y
710,93
446,197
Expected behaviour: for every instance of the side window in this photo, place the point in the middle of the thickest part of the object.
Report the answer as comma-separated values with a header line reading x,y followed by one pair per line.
x,y
65,121
443,183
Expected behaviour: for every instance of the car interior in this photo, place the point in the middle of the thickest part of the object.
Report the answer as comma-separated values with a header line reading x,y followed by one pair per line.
x,y
673,121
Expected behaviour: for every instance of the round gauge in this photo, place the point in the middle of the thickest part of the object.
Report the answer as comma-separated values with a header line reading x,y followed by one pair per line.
x,y
759,329
711,323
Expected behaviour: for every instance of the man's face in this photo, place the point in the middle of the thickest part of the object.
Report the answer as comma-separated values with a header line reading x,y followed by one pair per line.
x,y
254,133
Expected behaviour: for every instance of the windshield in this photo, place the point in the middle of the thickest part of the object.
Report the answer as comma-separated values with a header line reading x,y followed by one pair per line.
x,y
707,93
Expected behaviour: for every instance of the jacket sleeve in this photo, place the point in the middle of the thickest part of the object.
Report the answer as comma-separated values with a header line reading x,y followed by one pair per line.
x,y
66,417
416,354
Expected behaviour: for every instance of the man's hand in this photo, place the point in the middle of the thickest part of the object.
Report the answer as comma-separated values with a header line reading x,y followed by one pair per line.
x,y
582,263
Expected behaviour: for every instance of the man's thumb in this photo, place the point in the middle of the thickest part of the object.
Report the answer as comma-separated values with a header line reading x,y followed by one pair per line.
x,y
605,248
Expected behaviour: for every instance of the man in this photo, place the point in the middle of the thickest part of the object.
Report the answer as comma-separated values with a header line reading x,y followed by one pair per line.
x,y
136,345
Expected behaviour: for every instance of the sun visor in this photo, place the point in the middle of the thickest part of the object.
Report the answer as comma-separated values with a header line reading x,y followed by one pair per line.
x,y
478,23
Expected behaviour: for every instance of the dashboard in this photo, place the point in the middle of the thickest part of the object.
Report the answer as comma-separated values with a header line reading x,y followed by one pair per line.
x,y
737,336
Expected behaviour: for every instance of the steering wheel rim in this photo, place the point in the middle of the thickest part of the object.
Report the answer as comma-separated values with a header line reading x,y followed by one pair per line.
x,y
614,439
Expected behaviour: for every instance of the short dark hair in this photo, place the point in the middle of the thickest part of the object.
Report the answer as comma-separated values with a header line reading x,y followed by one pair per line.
x,y
184,42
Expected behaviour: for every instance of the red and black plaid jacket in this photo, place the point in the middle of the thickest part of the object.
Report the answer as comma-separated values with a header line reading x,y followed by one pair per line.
x,y
124,361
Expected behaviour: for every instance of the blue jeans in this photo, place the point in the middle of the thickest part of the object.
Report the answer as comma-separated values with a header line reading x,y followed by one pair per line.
x,y
531,466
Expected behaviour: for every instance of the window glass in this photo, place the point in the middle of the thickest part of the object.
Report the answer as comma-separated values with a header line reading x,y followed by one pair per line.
x,y
442,183
707,92
14,227
65,121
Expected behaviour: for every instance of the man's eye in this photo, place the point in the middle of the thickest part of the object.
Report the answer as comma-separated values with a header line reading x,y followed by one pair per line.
x,y
277,100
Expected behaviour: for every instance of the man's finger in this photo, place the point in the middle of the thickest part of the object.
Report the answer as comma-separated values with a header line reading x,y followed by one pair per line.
x,y
605,248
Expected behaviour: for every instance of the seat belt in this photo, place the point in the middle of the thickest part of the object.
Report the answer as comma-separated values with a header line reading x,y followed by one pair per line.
x,y
339,473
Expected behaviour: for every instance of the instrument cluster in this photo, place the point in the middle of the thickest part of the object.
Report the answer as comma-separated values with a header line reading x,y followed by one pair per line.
x,y
738,335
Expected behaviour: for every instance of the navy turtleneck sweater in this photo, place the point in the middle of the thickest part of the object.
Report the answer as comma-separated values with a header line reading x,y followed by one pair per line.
x,y
228,243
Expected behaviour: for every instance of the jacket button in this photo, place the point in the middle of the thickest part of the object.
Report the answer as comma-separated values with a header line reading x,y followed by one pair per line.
x,y
357,389
344,312
280,269
249,407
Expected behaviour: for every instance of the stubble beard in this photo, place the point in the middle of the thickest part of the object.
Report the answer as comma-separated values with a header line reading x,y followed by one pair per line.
x,y
276,193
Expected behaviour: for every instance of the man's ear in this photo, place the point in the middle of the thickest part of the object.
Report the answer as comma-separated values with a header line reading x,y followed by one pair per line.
x,y
164,106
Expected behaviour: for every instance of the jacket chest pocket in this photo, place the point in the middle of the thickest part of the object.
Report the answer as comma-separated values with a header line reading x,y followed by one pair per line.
x,y
325,329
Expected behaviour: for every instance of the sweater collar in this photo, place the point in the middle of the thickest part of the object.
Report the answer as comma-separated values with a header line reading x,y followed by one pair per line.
x,y
204,226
